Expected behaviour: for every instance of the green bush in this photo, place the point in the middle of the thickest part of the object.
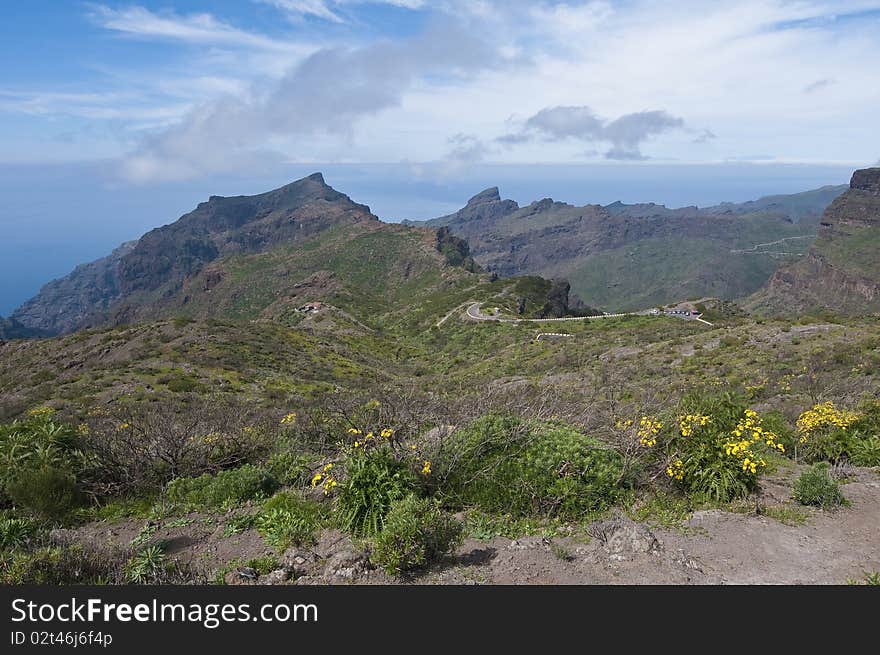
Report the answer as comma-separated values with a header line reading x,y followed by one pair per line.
x,y
416,533
865,451
289,519
223,490
831,434
374,481
16,532
147,566
815,486
184,384
57,566
502,464
290,469
39,461
48,492
715,447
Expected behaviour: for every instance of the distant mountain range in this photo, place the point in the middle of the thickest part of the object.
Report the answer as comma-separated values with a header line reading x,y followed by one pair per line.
x,y
841,271
624,257
267,257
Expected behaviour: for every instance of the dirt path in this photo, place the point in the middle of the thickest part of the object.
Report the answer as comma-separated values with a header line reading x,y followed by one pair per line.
x,y
712,547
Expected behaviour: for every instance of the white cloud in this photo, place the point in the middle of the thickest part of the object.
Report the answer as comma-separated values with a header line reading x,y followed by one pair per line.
x,y
202,29
625,134
326,94
793,78
324,9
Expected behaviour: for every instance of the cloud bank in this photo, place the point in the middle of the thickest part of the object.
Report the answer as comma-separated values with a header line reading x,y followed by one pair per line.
x,y
625,134
328,93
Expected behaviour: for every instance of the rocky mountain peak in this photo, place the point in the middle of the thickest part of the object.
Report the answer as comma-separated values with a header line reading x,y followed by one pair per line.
x,y
866,179
488,195
161,260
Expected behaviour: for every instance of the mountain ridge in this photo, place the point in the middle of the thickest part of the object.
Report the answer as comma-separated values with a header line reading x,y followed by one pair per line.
x,y
158,262
841,271
629,256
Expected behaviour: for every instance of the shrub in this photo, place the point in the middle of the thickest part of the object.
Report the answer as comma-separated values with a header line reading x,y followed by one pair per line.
x,y
289,519
290,469
502,464
139,448
374,480
16,532
827,433
49,492
815,486
146,566
865,451
715,448
416,533
58,566
39,461
224,489
184,384
824,433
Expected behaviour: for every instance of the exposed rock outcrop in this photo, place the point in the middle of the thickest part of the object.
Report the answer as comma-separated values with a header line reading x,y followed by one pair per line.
x,y
841,272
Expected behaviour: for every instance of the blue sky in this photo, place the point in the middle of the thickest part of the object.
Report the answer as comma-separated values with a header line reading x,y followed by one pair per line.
x,y
181,89
140,109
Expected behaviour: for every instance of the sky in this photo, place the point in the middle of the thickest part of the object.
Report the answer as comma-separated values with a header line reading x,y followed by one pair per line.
x,y
116,117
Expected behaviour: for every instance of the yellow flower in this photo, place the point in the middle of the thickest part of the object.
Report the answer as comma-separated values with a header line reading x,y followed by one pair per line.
x,y
315,480
327,467
387,433
289,418
647,431
426,468
821,417
353,431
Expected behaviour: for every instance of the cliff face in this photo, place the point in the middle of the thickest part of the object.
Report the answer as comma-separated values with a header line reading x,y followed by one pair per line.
x,y
633,256
67,303
158,263
12,329
841,272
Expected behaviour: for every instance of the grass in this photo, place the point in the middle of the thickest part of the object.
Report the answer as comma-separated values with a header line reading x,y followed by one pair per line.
x,y
788,514
663,509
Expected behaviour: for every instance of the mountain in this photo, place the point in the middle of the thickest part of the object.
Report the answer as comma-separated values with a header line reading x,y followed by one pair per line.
x,y
624,257
841,271
12,329
272,257
156,266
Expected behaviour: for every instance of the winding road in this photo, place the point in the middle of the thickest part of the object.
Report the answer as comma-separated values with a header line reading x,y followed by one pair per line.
x,y
475,313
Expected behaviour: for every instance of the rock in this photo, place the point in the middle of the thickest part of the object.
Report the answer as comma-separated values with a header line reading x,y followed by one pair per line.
x,y
867,179
279,576
347,564
243,576
61,537
298,561
624,539
833,275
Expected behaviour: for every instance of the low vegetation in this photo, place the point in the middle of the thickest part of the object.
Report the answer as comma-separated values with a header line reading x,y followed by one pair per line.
x,y
818,487
656,416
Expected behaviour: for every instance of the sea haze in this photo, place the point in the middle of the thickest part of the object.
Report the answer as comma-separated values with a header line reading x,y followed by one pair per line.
x,y
54,217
